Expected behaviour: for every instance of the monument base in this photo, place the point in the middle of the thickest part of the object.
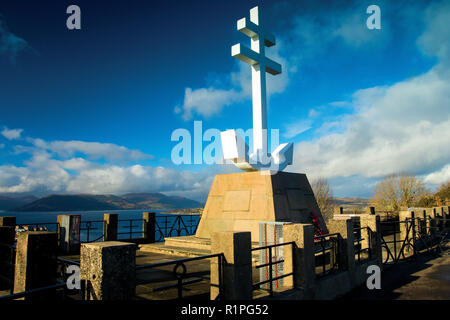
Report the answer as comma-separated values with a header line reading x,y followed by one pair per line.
x,y
240,201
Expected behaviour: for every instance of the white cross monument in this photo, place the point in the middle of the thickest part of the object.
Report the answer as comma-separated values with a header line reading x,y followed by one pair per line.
x,y
233,146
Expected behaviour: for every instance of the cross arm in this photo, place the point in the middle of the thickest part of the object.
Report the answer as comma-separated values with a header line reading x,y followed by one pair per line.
x,y
252,30
251,57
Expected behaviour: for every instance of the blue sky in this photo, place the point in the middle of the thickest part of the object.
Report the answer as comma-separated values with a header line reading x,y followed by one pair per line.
x,y
93,110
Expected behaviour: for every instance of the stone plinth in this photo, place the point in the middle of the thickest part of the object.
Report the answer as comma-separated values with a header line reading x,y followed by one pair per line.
x,y
110,226
69,233
148,226
239,201
237,267
35,262
300,259
109,269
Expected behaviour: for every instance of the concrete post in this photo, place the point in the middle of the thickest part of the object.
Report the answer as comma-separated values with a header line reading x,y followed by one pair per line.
x,y
237,267
447,216
36,263
148,226
301,258
347,243
405,222
7,221
443,217
109,270
373,222
69,233
431,213
110,226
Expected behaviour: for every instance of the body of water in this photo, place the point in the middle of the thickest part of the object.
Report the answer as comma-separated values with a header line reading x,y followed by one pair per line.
x,y
92,223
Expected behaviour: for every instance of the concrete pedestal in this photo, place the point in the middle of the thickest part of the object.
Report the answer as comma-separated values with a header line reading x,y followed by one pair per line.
x,y
239,201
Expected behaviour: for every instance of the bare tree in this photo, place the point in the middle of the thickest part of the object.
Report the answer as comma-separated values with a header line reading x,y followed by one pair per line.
x,y
398,190
324,197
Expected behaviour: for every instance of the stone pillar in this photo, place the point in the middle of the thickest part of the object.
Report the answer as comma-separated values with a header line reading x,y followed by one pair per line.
x,y
110,226
425,223
109,270
7,221
301,258
347,243
370,210
431,213
148,226
69,233
339,210
405,222
447,216
36,263
237,266
373,222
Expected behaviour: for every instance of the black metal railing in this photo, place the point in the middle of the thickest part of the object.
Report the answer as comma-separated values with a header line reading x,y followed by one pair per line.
x,y
358,244
131,227
393,243
271,266
92,225
180,273
175,225
327,254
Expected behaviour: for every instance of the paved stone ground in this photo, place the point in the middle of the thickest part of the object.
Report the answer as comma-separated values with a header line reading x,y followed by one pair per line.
x,y
426,279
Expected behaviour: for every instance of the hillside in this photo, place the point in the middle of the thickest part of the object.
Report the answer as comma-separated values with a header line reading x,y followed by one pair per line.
x,y
7,203
84,202
357,204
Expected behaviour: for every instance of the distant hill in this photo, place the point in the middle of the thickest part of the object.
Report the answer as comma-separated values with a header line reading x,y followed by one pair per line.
x,y
352,203
86,202
7,203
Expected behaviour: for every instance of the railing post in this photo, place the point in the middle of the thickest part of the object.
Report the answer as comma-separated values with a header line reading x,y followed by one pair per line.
x,y
69,233
431,213
443,217
237,265
148,226
109,270
299,260
36,263
373,223
110,226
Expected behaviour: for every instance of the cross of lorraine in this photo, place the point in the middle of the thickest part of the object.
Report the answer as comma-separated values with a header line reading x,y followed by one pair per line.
x,y
234,146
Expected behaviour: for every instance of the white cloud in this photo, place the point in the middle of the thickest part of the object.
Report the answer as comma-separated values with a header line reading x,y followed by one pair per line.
x,y
207,101
54,168
295,128
404,127
94,150
11,134
438,177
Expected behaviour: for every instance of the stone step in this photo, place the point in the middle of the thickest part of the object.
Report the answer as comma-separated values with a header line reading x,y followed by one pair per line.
x,y
161,248
189,242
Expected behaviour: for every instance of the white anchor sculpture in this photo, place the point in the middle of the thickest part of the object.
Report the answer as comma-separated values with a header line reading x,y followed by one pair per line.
x,y
233,146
